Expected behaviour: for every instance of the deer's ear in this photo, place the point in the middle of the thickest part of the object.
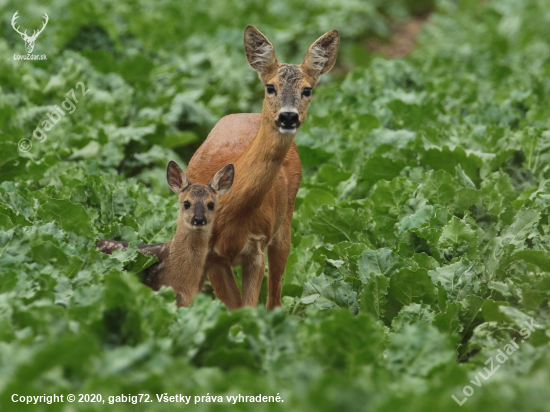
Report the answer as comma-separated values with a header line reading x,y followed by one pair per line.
x,y
259,51
321,55
223,180
176,177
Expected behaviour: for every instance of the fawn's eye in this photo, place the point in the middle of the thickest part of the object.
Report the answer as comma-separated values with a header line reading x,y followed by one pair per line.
x,y
186,205
270,88
210,206
307,91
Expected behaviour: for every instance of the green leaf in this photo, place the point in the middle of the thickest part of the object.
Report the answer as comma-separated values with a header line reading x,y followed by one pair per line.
x,y
388,199
411,314
418,349
438,187
409,286
427,223
376,168
68,215
448,322
458,238
466,165
335,224
522,227
424,261
379,262
491,311
470,312
467,197
373,296
331,344
463,179
535,257
335,292
301,266
331,176
459,279
313,200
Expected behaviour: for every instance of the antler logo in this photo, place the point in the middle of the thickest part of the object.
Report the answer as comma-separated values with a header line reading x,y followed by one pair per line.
x,y
29,40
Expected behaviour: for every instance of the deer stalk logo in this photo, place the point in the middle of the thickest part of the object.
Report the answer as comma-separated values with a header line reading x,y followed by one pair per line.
x,y
29,40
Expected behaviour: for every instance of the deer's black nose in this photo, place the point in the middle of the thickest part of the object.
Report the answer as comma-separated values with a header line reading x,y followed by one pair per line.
x,y
198,221
288,119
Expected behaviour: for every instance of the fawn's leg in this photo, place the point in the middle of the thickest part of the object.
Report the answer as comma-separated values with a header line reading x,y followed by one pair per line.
x,y
109,246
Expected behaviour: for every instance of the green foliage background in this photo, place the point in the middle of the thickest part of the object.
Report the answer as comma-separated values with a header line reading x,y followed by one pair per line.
x,y
420,237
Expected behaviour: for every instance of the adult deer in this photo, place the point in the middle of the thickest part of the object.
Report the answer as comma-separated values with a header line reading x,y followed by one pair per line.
x,y
257,212
29,40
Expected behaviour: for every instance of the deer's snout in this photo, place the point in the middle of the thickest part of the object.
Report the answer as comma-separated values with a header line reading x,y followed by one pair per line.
x,y
198,221
288,120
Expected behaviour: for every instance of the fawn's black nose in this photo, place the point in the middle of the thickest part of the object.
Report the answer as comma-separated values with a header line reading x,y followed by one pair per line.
x,y
288,119
199,221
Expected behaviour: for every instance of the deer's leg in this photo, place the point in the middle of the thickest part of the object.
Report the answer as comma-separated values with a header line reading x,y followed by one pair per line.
x,y
109,246
160,250
186,293
223,281
187,289
277,253
253,266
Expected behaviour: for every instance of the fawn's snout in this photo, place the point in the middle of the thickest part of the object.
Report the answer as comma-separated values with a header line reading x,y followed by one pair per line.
x,y
200,204
199,221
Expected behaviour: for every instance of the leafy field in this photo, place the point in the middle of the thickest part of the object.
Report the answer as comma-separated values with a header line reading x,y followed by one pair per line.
x,y
420,236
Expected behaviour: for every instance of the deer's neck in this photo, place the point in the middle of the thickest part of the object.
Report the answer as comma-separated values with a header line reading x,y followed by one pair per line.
x,y
185,262
257,168
187,248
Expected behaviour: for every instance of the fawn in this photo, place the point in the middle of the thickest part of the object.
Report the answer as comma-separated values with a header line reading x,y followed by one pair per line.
x,y
182,259
257,213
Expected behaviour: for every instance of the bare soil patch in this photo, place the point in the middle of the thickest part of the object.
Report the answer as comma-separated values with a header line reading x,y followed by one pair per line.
x,y
402,41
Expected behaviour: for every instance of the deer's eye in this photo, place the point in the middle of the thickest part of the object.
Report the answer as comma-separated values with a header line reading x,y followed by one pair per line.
x,y
307,91
186,205
270,89
210,206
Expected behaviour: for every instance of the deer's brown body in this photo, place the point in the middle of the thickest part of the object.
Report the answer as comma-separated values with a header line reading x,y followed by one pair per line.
x,y
257,213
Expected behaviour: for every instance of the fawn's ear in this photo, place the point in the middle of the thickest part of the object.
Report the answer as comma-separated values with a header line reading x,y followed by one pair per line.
x,y
222,181
321,55
176,177
259,51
